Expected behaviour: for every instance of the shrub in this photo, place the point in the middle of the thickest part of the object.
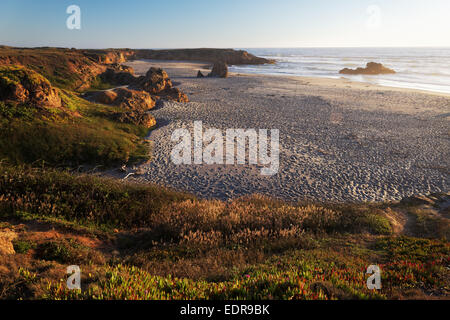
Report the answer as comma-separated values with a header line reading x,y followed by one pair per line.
x,y
67,252
22,111
81,198
23,246
430,225
54,251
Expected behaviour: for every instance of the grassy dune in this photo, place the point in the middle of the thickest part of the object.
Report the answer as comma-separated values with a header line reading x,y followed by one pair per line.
x,y
83,133
65,68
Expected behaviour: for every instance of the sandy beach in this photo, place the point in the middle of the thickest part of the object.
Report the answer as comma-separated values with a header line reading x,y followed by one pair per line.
x,y
339,140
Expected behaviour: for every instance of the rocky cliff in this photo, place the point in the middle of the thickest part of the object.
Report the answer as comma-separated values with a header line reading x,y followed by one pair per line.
x,y
109,56
229,56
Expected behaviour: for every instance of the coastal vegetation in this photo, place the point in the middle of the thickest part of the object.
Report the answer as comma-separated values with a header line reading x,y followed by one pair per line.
x,y
58,127
136,241
142,241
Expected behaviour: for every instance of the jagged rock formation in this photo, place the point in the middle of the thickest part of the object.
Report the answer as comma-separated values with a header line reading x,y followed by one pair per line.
x,y
200,74
139,97
158,84
21,85
372,68
155,81
219,69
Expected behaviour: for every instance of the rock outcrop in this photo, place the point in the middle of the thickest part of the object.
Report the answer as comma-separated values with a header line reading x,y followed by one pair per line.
x,y
134,105
135,117
140,96
111,56
229,56
219,69
134,100
372,68
118,75
75,69
200,74
103,97
155,81
6,238
21,85
158,84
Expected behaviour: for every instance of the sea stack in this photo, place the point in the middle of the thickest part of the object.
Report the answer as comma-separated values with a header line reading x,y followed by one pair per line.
x,y
220,69
372,68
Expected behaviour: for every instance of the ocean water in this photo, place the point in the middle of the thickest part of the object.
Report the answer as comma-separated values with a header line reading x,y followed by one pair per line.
x,y
417,68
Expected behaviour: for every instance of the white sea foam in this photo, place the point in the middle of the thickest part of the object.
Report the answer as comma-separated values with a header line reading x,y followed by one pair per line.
x,y
417,68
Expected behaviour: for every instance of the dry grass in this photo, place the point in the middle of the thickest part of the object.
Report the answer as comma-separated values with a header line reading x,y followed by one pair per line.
x,y
174,246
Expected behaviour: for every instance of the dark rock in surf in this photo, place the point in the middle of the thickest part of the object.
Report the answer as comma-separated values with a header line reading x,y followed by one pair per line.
x,y
372,68
220,69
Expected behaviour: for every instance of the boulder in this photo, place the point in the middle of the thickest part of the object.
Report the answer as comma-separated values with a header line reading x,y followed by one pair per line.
x,y
200,74
104,97
133,99
133,103
21,85
174,94
155,81
123,97
136,117
118,76
6,238
220,69
372,68
122,67
158,84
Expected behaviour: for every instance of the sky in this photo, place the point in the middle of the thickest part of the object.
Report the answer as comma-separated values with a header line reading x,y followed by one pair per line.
x,y
227,23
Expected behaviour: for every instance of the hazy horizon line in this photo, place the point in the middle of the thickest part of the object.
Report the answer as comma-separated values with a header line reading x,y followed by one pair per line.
x,y
219,47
